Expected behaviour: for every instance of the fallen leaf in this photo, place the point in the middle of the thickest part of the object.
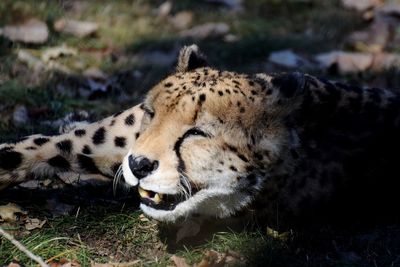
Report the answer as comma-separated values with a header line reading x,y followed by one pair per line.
x,y
76,27
276,235
64,263
207,30
14,264
178,261
29,59
213,258
11,212
115,264
31,224
33,31
58,51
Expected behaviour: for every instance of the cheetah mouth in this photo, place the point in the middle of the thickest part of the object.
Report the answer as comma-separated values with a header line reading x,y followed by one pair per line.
x,y
161,201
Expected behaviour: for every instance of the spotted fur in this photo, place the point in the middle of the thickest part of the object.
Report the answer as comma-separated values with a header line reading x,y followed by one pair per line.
x,y
214,142
95,149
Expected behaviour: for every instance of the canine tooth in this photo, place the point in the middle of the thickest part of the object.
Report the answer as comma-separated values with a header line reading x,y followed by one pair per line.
x,y
143,193
157,198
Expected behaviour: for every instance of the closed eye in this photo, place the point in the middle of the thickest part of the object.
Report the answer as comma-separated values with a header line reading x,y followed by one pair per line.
x,y
195,131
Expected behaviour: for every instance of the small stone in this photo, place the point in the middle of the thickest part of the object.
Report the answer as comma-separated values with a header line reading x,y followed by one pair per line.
x,y
76,27
346,62
288,59
182,20
33,31
20,116
207,30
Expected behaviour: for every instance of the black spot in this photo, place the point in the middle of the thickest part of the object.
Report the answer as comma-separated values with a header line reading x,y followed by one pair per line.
x,y
120,141
58,162
242,110
64,146
86,150
233,168
169,84
10,160
220,93
251,83
80,132
112,123
202,98
242,157
31,148
130,120
87,164
227,91
137,135
99,136
231,148
41,141
118,113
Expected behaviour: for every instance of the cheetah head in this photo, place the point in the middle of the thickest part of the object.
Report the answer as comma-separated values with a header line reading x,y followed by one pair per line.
x,y
209,139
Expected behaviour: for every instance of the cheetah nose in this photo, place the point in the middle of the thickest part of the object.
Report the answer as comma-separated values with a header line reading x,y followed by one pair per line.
x,y
141,166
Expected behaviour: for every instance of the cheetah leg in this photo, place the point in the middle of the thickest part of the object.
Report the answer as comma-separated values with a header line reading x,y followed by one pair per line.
x,y
89,149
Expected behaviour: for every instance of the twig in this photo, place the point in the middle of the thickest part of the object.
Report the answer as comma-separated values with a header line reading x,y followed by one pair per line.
x,y
22,248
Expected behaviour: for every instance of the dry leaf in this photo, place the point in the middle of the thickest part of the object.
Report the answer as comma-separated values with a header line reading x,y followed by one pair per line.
x,y
179,262
64,263
276,235
115,264
11,212
34,223
14,264
58,51
32,31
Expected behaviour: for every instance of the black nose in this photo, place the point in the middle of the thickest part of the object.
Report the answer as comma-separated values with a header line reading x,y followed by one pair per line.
x,y
141,166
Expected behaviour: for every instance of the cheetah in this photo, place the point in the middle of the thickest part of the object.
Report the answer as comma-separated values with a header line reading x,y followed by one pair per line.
x,y
213,143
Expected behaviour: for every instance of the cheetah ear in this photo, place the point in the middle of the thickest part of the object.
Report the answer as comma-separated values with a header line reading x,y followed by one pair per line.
x,y
289,84
190,58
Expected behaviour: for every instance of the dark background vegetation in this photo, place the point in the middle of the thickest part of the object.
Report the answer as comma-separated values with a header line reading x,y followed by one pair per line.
x,y
136,45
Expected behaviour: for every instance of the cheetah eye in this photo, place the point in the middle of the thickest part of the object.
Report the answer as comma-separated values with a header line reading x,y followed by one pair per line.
x,y
197,132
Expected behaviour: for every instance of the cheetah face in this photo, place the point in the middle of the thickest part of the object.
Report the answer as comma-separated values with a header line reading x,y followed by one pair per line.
x,y
204,148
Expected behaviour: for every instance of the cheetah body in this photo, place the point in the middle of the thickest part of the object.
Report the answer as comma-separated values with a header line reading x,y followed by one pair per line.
x,y
210,142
